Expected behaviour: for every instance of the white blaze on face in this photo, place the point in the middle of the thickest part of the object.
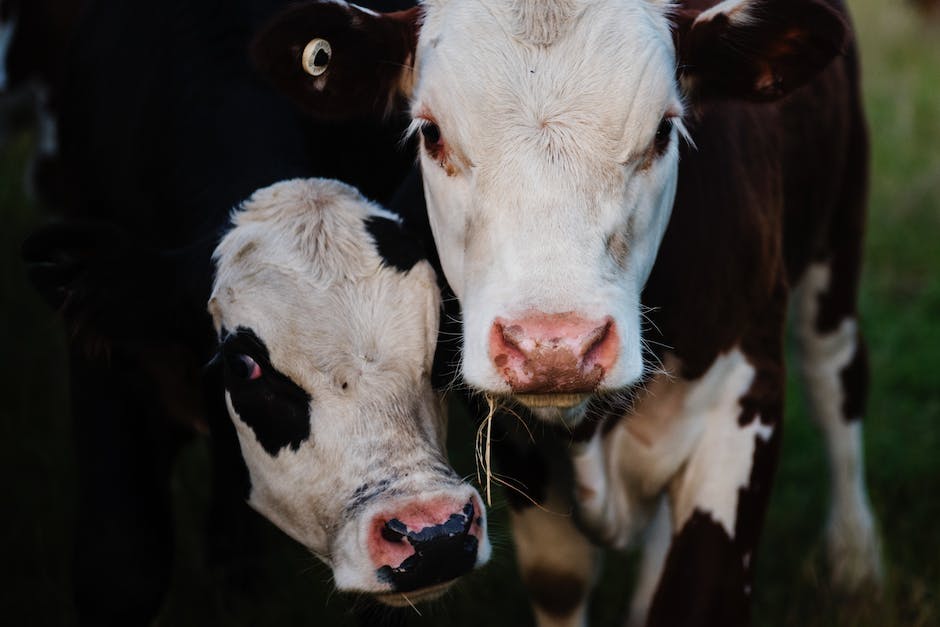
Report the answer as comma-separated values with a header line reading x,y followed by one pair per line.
x,y
340,419
547,193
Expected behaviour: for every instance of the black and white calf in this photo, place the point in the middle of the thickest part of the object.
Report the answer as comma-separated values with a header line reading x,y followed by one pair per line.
x,y
327,319
326,348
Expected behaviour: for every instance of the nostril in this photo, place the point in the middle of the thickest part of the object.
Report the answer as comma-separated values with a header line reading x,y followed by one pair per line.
x,y
595,339
511,337
601,347
437,551
394,530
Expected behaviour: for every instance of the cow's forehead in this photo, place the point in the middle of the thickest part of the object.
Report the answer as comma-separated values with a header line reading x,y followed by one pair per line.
x,y
302,270
369,331
611,66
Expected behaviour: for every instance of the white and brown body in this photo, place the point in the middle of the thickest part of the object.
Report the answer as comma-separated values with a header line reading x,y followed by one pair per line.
x,y
574,225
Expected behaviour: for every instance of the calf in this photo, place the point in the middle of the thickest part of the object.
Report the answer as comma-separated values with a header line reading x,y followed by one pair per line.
x,y
327,317
594,168
326,347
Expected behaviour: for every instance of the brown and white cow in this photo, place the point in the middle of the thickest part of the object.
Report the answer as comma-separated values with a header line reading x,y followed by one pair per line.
x,y
593,167
326,345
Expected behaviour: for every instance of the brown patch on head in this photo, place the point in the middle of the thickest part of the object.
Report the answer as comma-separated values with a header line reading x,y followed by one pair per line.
x,y
556,593
618,248
245,252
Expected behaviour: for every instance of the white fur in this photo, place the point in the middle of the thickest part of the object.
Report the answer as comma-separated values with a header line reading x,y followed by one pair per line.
x,y
852,540
656,544
301,271
723,458
546,146
737,12
679,431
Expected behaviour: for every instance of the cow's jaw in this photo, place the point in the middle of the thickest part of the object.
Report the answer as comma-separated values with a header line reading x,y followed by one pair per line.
x,y
545,202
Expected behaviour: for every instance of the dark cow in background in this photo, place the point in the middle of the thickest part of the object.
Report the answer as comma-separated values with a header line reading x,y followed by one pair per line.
x,y
625,195
34,37
163,129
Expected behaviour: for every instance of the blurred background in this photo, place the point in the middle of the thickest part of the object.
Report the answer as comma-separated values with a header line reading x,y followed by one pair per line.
x,y
900,304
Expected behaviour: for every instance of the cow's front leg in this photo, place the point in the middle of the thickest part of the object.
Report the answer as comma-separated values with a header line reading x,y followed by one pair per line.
x,y
719,497
656,542
557,562
835,373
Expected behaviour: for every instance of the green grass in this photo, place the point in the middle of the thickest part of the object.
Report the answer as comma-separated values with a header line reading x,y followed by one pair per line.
x,y
900,315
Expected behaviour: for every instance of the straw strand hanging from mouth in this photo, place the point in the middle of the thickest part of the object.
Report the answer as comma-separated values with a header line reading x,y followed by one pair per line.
x,y
483,457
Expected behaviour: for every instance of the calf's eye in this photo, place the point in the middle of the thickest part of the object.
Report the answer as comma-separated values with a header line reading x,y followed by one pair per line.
x,y
432,135
243,367
663,134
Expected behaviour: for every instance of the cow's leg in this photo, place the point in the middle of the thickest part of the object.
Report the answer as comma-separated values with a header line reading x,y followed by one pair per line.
x,y
719,497
835,373
557,562
656,543
124,449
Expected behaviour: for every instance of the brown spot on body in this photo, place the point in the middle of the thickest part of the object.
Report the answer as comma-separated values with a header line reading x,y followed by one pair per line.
x,y
556,593
585,492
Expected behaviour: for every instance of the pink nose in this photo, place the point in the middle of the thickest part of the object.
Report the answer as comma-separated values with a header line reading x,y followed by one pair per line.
x,y
421,544
553,353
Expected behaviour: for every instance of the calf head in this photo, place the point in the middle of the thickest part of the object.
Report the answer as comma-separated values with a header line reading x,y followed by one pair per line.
x,y
550,154
327,320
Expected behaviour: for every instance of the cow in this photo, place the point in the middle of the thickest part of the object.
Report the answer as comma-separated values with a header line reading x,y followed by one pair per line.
x,y
163,129
327,341
327,313
625,196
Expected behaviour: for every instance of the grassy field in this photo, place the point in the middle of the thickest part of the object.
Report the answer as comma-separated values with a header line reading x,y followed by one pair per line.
x,y
900,315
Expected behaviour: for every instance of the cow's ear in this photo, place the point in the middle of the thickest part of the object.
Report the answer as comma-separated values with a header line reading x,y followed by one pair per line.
x,y
337,60
757,50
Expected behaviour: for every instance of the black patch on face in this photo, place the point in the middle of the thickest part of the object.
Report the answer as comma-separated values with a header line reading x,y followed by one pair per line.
x,y
276,408
394,244
365,494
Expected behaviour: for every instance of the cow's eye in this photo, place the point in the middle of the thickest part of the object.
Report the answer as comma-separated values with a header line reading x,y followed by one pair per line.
x,y
663,135
431,133
243,367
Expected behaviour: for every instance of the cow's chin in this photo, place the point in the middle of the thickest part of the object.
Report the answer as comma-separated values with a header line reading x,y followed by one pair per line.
x,y
567,410
403,599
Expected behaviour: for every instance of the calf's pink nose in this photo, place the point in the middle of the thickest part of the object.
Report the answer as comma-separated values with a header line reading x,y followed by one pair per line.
x,y
553,353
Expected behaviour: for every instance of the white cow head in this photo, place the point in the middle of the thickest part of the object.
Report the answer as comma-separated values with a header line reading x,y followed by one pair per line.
x,y
550,138
327,319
